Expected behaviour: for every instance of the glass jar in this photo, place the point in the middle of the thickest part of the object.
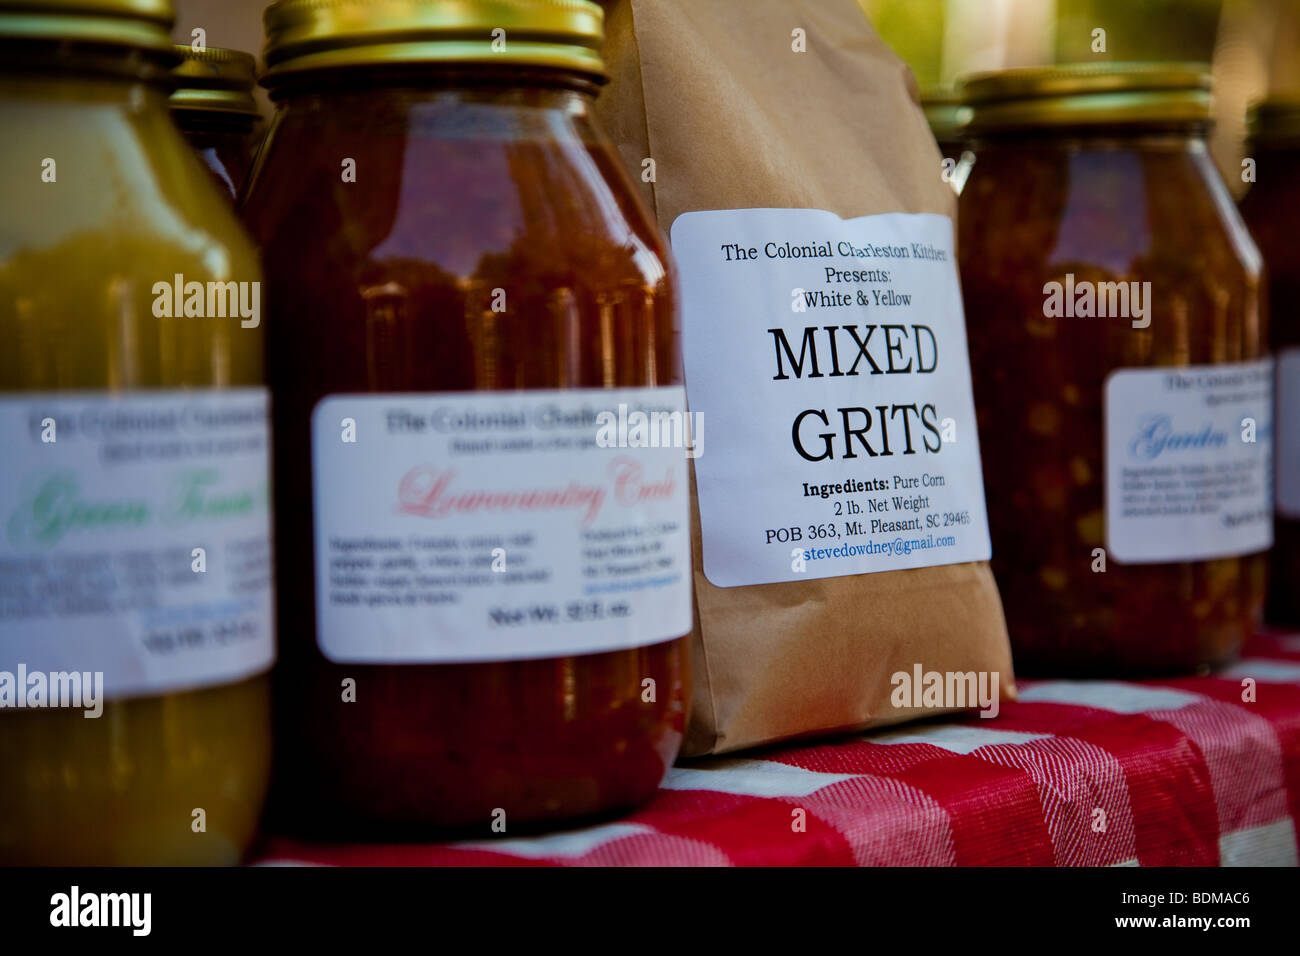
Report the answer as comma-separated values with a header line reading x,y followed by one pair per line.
x,y
1271,208
135,558
463,280
946,115
214,107
1122,389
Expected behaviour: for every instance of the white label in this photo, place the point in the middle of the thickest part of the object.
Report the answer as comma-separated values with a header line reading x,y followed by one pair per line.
x,y
828,359
1288,432
481,526
136,536
1188,462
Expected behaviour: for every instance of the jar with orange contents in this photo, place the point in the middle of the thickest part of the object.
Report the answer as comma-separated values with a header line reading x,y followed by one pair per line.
x,y
484,575
1121,377
1271,208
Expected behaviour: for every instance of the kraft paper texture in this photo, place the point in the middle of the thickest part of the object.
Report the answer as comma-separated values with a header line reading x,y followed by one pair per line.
x,y
733,118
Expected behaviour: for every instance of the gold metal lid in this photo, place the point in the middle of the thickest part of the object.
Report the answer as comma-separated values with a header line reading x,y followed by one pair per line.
x,y
140,24
323,34
1089,94
215,80
945,111
1275,120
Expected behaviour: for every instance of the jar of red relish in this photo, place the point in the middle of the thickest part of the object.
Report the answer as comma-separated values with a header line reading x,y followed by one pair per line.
x,y
214,107
1271,209
1118,349
484,561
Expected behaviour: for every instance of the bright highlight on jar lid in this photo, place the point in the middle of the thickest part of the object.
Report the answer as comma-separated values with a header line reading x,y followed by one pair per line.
x,y
143,24
1089,94
310,35
1274,120
215,80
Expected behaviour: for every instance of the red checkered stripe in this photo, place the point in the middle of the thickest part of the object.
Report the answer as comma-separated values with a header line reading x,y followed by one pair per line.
x,y
1076,773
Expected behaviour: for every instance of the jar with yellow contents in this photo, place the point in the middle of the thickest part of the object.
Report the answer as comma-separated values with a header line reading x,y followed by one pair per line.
x,y
135,582
1121,377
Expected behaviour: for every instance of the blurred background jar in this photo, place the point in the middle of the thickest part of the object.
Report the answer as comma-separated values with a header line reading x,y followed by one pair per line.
x,y
448,237
213,105
946,115
1271,209
1254,45
1129,502
135,544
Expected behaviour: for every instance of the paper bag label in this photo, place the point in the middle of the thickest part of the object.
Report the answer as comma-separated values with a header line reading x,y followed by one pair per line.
x,y
827,360
479,526
1188,462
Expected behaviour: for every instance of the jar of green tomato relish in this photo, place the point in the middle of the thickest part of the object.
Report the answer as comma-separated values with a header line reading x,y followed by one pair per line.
x,y
135,588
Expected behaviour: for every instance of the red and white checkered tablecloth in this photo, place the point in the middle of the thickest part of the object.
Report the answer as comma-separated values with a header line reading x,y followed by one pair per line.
x,y
1076,773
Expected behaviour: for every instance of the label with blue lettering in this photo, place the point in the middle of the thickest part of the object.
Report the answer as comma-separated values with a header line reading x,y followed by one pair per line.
x,y
1189,462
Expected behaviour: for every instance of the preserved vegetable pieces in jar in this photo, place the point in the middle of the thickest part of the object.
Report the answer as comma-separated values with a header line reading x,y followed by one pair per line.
x,y
1271,209
484,571
135,628
1121,379
214,107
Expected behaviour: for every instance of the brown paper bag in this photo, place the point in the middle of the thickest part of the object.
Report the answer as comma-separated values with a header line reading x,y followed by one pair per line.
x,y
733,118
